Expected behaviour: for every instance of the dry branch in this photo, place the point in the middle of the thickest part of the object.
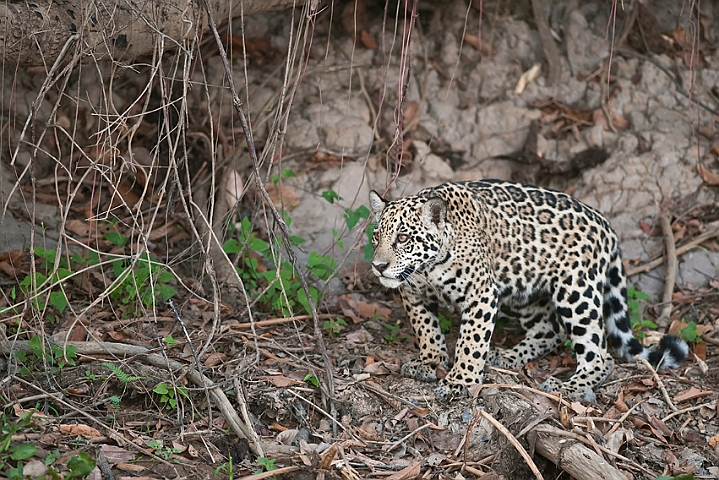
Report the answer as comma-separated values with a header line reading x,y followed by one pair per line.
x,y
671,259
575,459
571,456
143,354
33,33
711,232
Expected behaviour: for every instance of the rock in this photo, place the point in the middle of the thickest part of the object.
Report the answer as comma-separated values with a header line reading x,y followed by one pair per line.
x,y
697,267
585,50
435,168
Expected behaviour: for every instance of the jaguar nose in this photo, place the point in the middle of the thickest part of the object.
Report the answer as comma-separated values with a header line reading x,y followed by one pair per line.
x,y
380,266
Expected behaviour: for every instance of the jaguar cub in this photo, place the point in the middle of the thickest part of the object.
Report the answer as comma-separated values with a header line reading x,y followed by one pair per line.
x,y
478,245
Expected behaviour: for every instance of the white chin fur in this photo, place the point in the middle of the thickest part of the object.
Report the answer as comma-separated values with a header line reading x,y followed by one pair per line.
x,y
390,282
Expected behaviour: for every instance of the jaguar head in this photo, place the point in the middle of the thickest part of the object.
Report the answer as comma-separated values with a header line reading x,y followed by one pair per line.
x,y
408,236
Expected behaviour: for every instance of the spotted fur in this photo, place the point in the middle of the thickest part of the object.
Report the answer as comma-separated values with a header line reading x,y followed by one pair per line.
x,y
477,245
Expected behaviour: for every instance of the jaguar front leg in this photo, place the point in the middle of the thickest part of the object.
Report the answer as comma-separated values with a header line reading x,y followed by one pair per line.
x,y
422,312
478,313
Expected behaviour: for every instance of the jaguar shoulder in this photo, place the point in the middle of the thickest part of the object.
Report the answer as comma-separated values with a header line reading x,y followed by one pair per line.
x,y
478,245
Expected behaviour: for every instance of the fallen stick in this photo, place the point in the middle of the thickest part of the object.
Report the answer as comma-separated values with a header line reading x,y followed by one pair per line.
x,y
709,234
574,458
157,360
278,321
570,455
671,277
515,443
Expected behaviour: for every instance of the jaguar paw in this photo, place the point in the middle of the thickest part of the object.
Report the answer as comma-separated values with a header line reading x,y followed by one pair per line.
x,y
447,391
419,371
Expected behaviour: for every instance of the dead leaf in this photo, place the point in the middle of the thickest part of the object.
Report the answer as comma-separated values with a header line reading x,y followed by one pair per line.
x,y
215,359
78,227
130,467
234,188
377,368
282,196
359,336
367,40
286,437
280,381
410,471
690,394
527,77
115,455
709,177
80,429
616,439
34,469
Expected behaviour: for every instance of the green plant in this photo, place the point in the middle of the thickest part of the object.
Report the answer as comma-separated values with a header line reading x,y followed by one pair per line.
x,y
169,395
226,468
268,464
331,196
51,354
352,217
278,289
334,325
394,335
14,453
56,277
445,322
124,379
311,378
287,173
690,334
80,465
161,450
635,314
368,250
145,281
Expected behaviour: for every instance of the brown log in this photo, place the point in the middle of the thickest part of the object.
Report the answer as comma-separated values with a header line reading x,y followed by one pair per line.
x,y
575,459
34,33
567,453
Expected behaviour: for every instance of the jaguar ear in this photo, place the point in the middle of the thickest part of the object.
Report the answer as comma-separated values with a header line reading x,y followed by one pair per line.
x,y
376,202
434,212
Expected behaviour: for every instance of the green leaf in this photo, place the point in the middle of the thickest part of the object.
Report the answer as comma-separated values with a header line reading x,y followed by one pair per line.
x,y
161,389
231,246
287,173
352,217
331,196
368,252
58,300
170,340
312,379
116,238
21,451
81,464
166,292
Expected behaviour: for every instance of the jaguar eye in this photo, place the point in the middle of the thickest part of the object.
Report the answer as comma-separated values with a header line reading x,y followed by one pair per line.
x,y
402,238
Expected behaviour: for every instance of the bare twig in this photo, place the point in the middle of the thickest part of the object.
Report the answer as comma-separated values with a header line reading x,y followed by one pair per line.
x,y
671,259
145,355
622,418
277,321
712,231
279,221
514,442
687,410
660,384
549,46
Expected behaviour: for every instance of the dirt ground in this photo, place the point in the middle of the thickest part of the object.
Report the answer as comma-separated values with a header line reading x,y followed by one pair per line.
x,y
161,325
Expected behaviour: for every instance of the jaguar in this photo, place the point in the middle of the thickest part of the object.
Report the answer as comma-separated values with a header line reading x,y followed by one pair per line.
x,y
553,261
